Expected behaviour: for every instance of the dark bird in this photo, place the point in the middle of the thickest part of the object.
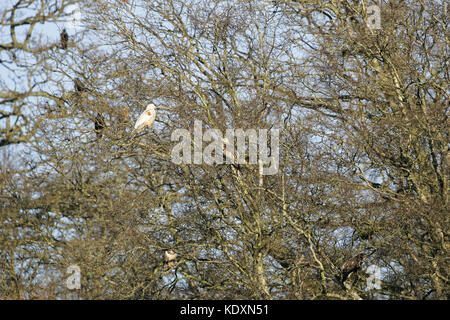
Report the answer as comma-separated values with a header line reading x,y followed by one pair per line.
x,y
354,264
99,125
64,39
79,86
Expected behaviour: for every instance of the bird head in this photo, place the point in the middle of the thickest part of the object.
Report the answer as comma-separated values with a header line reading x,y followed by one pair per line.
x,y
151,109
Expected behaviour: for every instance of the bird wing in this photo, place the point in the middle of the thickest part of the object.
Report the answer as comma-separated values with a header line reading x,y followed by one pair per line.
x,y
151,119
141,121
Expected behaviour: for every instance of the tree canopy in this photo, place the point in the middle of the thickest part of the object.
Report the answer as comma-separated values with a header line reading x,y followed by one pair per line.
x,y
363,155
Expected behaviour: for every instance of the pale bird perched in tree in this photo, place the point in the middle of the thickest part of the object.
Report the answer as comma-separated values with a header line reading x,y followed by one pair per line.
x,y
169,257
146,119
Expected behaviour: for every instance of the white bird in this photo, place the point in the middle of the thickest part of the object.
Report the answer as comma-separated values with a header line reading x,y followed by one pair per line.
x,y
169,257
146,119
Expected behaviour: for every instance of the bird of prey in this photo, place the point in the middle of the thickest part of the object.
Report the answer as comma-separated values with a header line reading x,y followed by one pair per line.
x,y
352,265
79,86
99,125
64,39
146,119
169,257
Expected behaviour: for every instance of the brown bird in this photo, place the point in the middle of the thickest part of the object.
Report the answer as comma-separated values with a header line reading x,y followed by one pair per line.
x,y
64,39
99,125
79,86
352,265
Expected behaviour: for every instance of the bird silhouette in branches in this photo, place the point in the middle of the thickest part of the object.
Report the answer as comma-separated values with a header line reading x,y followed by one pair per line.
x,y
79,86
64,39
354,264
99,125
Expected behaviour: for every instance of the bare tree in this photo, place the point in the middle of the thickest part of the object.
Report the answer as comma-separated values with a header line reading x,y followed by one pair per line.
x,y
363,170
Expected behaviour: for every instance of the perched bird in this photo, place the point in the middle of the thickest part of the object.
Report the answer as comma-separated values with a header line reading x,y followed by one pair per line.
x,y
99,125
169,257
146,119
64,39
354,264
79,86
